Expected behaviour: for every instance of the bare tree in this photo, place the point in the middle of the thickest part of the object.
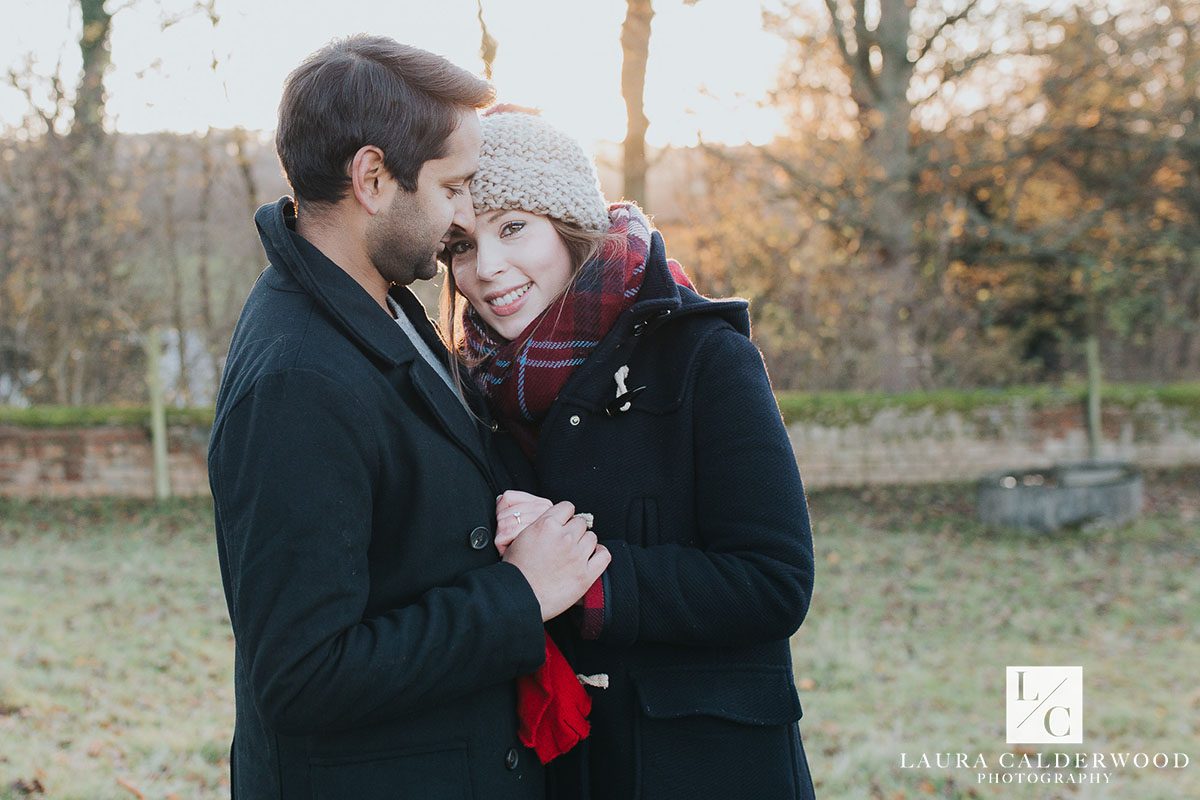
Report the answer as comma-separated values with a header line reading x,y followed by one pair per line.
x,y
170,232
635,49
203,256
874,158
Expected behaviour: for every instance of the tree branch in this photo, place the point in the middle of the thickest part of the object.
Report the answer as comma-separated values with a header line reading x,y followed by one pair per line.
x,y
859,81
949,21
863,41
957,72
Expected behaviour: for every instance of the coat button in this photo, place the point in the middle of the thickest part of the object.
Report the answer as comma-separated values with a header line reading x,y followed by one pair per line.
x,y
480,538
512,758
495,426
574,419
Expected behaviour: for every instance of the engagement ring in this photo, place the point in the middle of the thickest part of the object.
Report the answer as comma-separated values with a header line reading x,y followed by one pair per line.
x,y
517,514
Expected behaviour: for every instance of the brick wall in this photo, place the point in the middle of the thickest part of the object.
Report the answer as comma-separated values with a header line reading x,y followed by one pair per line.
x,y
927,446
91,462
895,446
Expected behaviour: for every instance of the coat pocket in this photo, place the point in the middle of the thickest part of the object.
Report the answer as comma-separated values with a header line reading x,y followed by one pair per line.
x,y
717,732
419,773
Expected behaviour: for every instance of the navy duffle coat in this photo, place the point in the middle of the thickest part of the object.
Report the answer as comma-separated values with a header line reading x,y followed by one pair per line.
x,y
694,489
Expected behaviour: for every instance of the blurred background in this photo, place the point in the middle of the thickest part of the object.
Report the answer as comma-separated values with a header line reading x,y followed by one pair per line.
x,y
940,194
960,224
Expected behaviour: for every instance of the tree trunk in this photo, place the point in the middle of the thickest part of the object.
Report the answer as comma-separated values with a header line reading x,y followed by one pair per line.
x,y
158,415
89,149
171,234
635,48
90,96
879,72
1094,431
207,175
89,244
246,170
890,149
235,292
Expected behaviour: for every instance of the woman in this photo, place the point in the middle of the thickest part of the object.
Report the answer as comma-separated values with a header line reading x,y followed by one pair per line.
x,y
646,405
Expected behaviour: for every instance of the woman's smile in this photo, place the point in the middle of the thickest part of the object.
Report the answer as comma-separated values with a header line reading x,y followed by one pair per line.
x,y
510,268
508,303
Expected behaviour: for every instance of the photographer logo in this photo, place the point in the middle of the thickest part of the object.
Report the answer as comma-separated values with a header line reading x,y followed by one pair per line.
x,y
1044,705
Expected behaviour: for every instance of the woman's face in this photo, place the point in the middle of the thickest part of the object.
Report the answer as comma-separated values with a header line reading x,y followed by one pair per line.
x,y
511,269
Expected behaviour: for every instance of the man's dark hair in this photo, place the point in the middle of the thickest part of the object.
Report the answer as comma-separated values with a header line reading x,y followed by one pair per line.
x,y
369,90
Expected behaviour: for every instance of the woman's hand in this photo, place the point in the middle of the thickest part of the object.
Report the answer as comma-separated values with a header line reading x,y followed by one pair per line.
x,y
515,511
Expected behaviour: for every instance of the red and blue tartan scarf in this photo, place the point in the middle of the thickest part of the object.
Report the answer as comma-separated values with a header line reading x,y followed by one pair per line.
x,y
522,378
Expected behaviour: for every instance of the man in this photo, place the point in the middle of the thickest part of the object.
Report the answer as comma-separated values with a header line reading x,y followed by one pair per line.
x,y
378,634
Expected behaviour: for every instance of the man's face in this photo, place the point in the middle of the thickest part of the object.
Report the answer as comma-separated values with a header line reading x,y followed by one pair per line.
x,y
404,241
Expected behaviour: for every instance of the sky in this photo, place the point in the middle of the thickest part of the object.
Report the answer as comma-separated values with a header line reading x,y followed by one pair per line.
x,y
710,66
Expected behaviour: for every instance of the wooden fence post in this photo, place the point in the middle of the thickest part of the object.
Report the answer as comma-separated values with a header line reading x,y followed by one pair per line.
x,y
158,414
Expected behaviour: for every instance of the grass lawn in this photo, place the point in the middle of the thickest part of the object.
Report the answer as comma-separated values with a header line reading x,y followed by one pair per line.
x,y
115,673
918,609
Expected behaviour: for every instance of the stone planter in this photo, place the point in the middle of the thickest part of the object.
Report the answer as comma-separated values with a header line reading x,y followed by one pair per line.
x,y
1088,494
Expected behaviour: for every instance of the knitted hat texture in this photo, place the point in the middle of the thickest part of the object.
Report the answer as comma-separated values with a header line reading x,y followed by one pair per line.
x,y
529,165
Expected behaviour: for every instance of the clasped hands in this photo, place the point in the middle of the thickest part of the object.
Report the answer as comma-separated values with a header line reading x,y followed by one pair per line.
x,y
552,546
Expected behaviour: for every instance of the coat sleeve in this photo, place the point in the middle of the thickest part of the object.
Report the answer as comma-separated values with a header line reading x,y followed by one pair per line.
x,y
293,467
748,575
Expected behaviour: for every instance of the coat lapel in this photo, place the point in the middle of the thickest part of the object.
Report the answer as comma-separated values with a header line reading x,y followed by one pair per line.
x,y
364,322
449,412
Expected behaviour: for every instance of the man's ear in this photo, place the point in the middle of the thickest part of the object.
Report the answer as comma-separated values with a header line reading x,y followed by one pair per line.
x,y
370,179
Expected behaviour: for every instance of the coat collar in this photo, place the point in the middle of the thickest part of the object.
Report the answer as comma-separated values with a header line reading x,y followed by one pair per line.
x,y
661,299
347,303
357,314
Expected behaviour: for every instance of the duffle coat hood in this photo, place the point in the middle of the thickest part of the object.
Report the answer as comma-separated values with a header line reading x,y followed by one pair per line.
x,y
377,634
694,488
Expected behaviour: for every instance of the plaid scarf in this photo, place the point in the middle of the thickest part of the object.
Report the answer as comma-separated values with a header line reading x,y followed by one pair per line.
x,y
522,378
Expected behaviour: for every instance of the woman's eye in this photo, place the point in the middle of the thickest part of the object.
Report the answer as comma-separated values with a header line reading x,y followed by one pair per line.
x,y
459,247
511,227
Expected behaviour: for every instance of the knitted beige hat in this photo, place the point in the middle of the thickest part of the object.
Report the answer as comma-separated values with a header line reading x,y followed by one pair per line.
x,y
529,165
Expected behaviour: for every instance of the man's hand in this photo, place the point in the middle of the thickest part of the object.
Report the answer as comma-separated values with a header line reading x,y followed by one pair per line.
x,y
559,557
516,511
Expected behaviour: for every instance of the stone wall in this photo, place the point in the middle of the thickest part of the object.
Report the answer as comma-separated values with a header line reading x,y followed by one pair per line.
x,y
927,446
894,446
98,461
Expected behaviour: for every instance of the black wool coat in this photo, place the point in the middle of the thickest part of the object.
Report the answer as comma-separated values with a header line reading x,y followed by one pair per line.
x,y
377,634
696,492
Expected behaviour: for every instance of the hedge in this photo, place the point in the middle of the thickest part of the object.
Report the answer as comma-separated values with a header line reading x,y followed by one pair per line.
x,y
839,409
828,408
96,416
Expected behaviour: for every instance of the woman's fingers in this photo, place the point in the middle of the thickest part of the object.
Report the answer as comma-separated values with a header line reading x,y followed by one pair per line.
x,y
515,511
513,519
514,496
504,538
599,561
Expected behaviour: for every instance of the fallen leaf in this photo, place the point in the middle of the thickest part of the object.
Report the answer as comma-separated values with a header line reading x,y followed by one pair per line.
x,y
129,787
26,788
